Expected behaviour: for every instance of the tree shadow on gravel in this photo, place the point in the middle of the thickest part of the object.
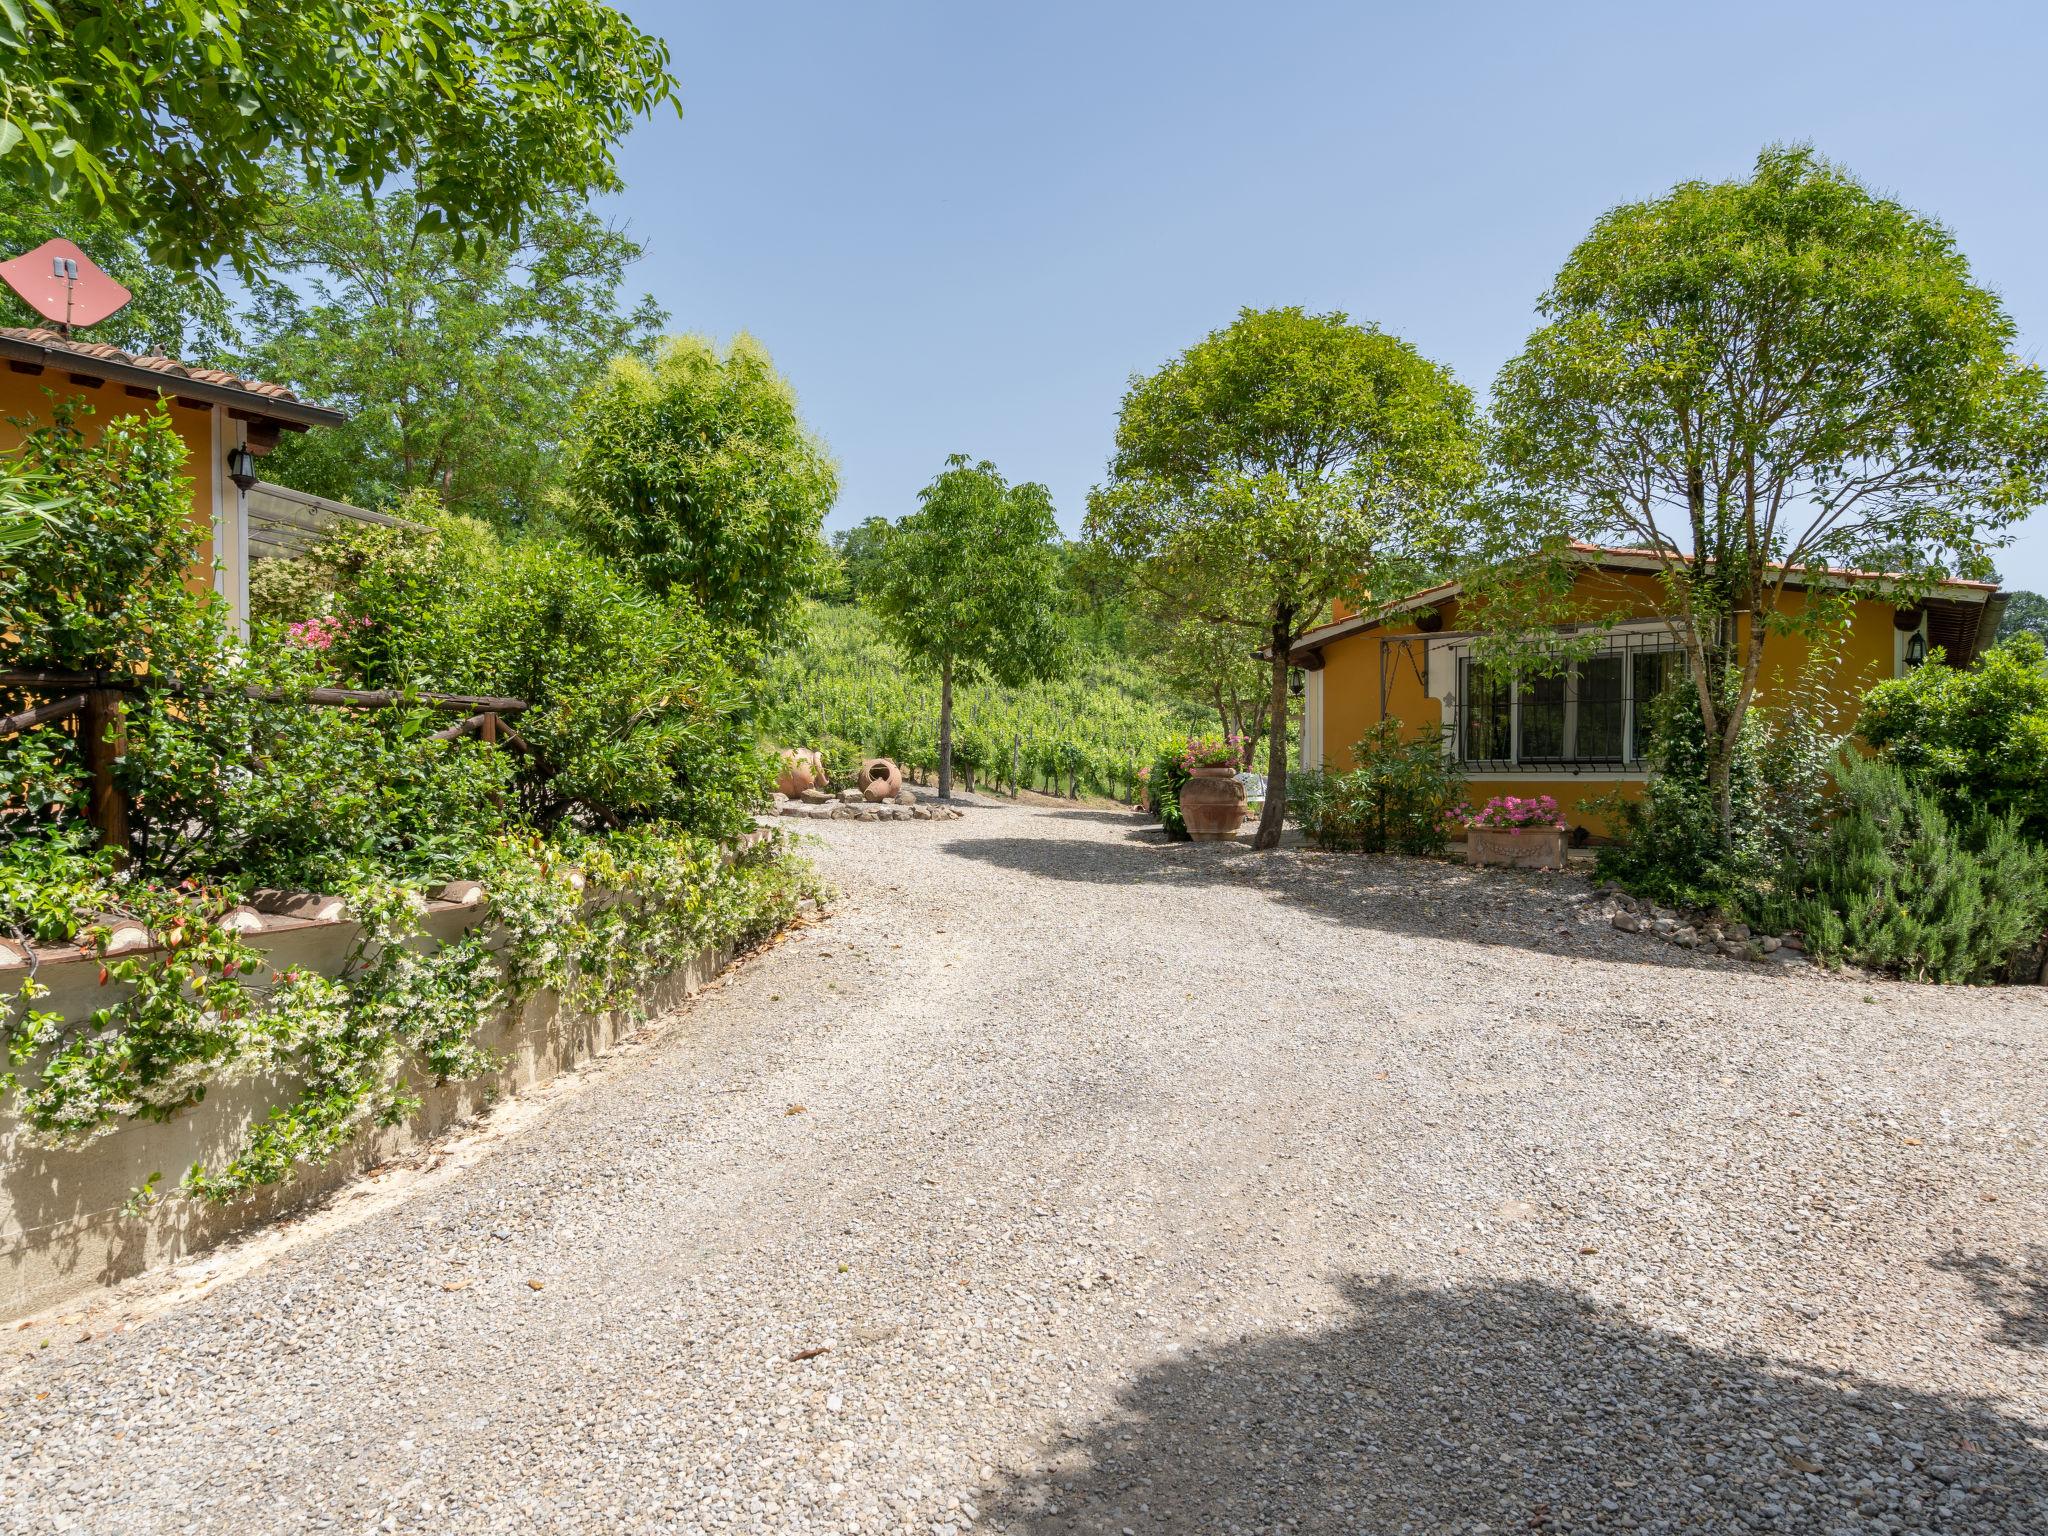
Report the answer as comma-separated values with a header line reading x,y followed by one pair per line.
x,y
2012,1291
1421,898
1521,1407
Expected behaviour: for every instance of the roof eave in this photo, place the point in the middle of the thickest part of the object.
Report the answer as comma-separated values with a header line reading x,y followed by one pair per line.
x,y
299,414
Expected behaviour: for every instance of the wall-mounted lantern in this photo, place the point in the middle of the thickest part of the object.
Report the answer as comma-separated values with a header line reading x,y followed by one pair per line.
x,y
242,467
1916,651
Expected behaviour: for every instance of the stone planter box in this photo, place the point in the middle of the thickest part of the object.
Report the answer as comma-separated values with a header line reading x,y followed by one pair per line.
x,y
1517,848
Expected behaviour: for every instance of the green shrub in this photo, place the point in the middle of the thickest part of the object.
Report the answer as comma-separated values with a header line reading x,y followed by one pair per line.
x,y
1164,780
1669,845
1977,738
1398,799
1896,883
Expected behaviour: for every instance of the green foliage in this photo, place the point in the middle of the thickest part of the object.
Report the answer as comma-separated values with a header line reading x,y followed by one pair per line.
x,y
1089,730
459,363
2026,613
171,120
1670,845
860,550
166,317
1398,799
1284,461
1165,777
1773,375
636,714
697,476
1976,737
967,587
638,724
1897,883
97,584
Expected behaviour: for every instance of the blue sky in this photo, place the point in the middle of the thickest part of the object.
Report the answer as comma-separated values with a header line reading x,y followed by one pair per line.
x,y
962,227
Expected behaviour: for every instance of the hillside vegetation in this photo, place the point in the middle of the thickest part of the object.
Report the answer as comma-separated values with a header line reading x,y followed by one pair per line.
x,y
1087,733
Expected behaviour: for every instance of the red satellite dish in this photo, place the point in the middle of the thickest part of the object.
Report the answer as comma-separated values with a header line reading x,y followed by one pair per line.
x,y
61,284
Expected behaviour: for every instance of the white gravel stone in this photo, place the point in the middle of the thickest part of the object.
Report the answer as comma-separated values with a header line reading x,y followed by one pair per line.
x,y
1112,1186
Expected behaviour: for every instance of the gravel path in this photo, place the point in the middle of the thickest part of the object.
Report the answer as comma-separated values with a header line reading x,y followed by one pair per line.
x,y
1140,1189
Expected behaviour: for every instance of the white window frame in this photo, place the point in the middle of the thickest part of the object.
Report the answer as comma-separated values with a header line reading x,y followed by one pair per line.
x,y
1567,761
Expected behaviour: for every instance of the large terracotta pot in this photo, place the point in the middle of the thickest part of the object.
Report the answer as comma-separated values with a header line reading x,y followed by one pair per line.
x,y
802,769
880,779
1517,847
1212,804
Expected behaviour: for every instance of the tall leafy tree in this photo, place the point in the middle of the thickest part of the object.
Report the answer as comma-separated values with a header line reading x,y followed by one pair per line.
x,y
1282,462
459,363
167,118
696,472
167,317
1756,378
2026,613
969,586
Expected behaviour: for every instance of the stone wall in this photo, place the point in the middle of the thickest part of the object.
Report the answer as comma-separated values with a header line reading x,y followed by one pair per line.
x,y
63,1226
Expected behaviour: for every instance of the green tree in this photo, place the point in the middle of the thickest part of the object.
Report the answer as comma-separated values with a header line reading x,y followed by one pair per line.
x,y
2026,613
166,317
1211,663
696,473
170,118
1753,379
459,363
861,551
1284,461
1976,737
970,586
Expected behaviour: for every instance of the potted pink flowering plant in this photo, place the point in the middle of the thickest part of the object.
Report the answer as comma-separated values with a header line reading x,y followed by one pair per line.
x,y
1212,800
1522,831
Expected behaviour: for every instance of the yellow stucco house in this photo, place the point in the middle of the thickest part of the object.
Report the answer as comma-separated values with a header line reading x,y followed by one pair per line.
x,y
1585,733
228,423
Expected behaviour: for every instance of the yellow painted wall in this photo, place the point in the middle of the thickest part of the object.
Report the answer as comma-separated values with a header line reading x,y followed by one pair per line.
x,y
31,397
1351,684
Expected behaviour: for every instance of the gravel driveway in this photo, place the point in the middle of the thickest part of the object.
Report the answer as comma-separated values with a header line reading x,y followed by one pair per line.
x,y
1129,1188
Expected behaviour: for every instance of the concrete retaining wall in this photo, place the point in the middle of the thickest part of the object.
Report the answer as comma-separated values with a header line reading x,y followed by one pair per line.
x,y
63,1229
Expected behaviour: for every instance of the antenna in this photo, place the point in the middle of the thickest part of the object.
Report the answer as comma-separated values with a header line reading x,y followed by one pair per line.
x,y
59,282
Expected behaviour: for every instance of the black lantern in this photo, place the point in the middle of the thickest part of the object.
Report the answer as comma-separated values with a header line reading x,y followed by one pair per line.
x,y
1294,682
242,467
1916,650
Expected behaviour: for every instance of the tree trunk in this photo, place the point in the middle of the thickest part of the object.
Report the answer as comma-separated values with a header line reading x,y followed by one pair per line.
x,y
1275,810
946,731
103,736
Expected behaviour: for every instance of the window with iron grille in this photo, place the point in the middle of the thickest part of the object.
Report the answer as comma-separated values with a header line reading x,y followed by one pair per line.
x,y
1592,713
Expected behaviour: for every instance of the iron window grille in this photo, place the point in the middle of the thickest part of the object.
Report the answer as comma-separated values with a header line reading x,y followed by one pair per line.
x,y
1591,715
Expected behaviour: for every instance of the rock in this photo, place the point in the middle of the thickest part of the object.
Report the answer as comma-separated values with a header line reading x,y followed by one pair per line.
x,y
1769,943
792,808
1665,926
843,812
1727,947
463,893
815,796
1791,941
1628,922
1686,938
863,813
1738,931
906,797
12,955
1786,956
851,795
922,812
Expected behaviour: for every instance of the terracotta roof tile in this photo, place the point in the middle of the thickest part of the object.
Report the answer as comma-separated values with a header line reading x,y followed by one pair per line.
x,y
171,368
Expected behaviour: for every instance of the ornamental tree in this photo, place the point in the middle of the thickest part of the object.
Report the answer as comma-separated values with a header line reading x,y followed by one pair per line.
x,y
1756,379
695,472
1284,461
169,118
459,364
968,586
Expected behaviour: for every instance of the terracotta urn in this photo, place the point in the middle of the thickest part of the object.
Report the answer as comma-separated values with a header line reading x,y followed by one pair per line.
x,y
1212,804
802,769
1516,847
880,779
